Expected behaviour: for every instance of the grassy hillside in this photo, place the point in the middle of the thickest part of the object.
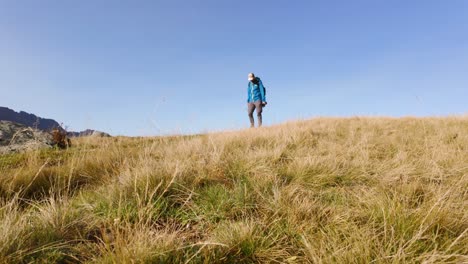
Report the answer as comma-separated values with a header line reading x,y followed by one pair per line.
x,y
355,190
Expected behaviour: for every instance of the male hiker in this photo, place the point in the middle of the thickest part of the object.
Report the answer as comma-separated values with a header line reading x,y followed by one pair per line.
x,y
255,99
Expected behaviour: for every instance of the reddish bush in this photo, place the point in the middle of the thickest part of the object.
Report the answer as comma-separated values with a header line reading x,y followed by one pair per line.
x,y
60,138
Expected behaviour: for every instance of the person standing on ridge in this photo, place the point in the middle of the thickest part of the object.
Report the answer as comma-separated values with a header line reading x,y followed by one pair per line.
x,y
255,99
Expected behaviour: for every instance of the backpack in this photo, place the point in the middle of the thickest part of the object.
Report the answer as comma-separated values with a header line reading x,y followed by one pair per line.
x,y
264,89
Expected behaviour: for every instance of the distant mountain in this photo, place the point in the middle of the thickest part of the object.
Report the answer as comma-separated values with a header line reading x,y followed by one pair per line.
x,y
84,133
87,133
29,120
43,124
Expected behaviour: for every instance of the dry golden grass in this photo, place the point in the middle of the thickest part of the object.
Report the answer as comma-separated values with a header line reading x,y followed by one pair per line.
x,y
355,190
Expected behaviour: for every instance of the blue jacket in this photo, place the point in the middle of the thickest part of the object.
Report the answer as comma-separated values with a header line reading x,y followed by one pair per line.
x,y
255,92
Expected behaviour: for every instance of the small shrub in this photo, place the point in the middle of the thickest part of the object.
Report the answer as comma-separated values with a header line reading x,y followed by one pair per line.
x,y
60,138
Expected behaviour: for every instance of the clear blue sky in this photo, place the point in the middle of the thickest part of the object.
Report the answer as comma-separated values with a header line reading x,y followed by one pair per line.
x,y
156,67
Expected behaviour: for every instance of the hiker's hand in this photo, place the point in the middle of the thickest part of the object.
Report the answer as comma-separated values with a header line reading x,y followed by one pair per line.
x,y
264,103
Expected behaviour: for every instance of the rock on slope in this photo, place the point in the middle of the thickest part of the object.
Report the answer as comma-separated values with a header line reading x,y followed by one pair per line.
x,y
15,137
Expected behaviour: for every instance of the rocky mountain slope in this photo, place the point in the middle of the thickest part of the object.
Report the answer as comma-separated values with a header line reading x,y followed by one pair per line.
x,y
27,119
15,137
43,124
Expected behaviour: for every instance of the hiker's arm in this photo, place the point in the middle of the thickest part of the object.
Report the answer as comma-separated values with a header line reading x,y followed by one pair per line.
x,y
248,92
262,91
